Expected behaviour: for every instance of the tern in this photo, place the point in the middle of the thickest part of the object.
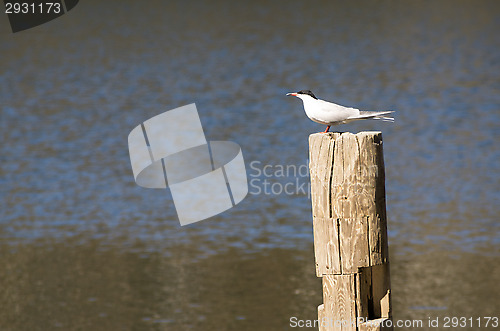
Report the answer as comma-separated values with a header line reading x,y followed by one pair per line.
x,y
328,113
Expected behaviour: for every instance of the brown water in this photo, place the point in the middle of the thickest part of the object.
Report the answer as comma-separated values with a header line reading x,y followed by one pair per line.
x,y
83,248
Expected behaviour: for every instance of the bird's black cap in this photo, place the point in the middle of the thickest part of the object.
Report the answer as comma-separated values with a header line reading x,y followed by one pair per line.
x,y
308,92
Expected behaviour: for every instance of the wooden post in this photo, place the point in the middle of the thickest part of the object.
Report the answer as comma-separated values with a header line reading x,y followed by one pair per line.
x,y
350,230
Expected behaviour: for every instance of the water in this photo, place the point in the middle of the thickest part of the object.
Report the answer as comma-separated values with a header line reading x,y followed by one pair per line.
x,y
82,247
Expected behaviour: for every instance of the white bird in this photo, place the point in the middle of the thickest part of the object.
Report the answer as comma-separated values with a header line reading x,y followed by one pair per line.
x,y
328,113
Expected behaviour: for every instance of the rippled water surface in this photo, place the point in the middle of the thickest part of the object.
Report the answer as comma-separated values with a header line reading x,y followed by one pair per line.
x,y
83,248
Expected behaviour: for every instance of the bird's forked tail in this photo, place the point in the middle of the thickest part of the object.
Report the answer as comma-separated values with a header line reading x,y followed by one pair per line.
x,y
376,115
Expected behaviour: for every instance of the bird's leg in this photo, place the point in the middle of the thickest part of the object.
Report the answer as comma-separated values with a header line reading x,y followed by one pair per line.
x,y
327,128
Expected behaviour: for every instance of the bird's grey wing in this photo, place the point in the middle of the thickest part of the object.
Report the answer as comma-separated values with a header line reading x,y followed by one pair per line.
x,y
336,113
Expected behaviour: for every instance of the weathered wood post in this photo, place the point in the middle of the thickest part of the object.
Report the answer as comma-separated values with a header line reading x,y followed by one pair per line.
x,y
350,230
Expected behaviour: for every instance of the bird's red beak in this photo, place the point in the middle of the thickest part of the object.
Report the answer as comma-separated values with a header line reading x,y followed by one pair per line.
x,y
292,94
